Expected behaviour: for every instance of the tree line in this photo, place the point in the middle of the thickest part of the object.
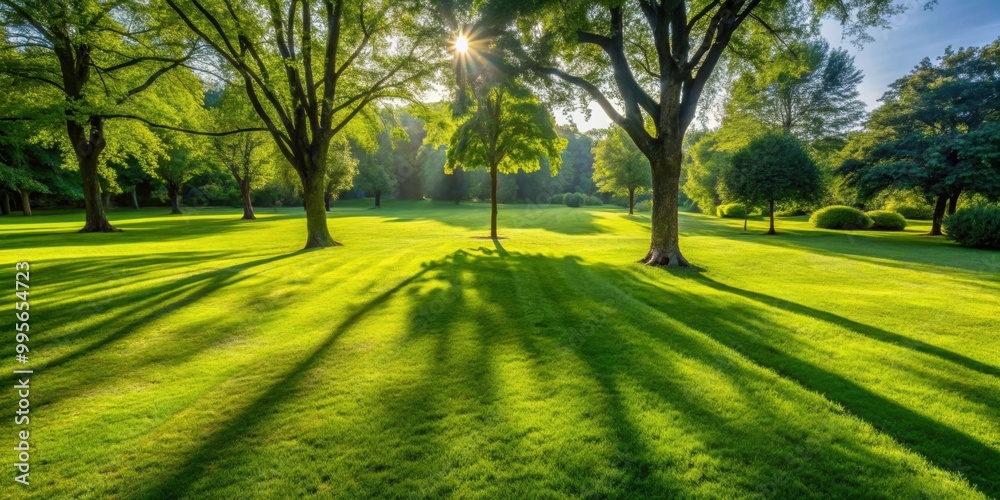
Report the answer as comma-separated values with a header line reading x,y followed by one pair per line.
x,y
116,81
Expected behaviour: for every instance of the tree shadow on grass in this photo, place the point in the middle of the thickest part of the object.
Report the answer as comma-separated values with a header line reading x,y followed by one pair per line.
x,y
476,216
948,448
558,310
179,483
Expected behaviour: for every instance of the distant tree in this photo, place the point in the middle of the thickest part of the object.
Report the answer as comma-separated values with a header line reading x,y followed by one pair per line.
x,y
619,167
186,156
408,157
938,130
343,167
507,130
810,92
249,156
772,169
376,168
577,170
704,163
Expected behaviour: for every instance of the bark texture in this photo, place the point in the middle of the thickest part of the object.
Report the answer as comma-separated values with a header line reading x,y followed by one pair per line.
x,y
493,202
378,199
25,203
5,205
247,205
631,200
771,230
317,232
88,147
664,247
939,209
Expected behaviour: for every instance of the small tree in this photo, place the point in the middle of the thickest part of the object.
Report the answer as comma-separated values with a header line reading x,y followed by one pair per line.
x,y
619,167
249,156
375,169
508,130
772,169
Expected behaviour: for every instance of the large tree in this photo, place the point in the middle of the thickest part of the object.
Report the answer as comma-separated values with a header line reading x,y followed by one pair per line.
x,y
938,131
646,63
311,67
772,169
507,130
619,167
91,60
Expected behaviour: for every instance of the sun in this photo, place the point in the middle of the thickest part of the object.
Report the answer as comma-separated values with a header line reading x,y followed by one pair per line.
x,y
461,44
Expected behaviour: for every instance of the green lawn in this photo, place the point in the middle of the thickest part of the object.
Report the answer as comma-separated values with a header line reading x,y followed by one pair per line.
x,y
204,356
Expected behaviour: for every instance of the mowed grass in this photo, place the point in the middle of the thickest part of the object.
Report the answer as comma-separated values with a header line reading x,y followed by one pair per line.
x,y
204,356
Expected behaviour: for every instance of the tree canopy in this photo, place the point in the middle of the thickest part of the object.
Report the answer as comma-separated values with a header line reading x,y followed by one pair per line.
x,y
619,167
772,169
938,131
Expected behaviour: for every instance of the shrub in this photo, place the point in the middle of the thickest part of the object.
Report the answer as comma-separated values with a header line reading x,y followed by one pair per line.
x,y
889,221
840,217
591,200
574,200
912,211
731,211
792,212
644,206
557,199
975,227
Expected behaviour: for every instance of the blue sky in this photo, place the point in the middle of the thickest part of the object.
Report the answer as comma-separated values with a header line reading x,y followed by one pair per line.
x,y
914,35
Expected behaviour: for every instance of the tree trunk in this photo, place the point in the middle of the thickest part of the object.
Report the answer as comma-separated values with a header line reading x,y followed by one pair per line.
x,y
772,231
106,199
493,202
135,199
664,248
87,150
378,199
746,215
313,190
25,203
953,203
247,206
631,200
327,199
5,206
175,198
939,209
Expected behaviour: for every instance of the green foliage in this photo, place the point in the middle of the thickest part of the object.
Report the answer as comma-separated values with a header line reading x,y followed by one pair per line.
x,y
574,199
811,95
912,212
840,217
644,206
977,227
886,220
376,167
619,167
704,165
558,199
937,131
772,169
509,130
731,211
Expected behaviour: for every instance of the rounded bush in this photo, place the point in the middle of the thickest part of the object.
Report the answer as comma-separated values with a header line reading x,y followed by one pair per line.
x,y
592,200
840,217
731,211
574,200
644,206
557,199
977,227
911,211
886,220
792,212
